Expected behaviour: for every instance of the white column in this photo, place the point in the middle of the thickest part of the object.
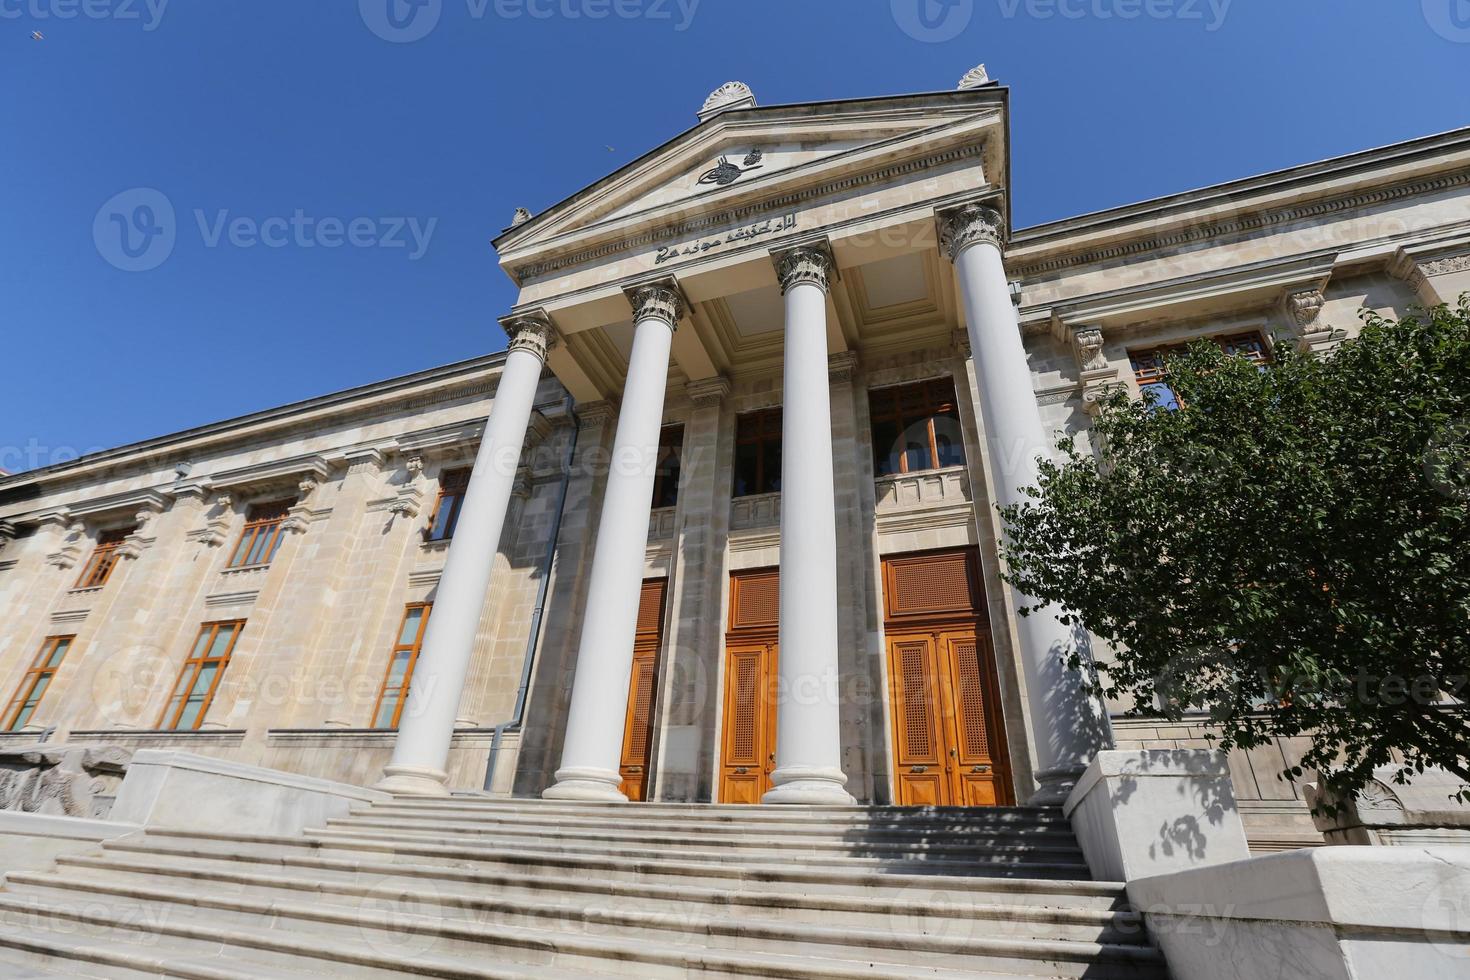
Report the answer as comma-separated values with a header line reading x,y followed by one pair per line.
x,y
421,750
592,751
808,724
1067,727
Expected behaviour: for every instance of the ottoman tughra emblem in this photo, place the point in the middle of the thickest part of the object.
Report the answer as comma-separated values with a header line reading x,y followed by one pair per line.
x,y
725,173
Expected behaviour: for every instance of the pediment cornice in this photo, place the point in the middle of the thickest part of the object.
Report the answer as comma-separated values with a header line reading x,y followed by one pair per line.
x,y
653,200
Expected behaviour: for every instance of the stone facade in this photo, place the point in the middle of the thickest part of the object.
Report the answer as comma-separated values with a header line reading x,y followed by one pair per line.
x,y
878,185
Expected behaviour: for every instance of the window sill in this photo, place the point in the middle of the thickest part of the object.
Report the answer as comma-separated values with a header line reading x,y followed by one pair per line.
x,y
233,569
123,734
87,590
437,544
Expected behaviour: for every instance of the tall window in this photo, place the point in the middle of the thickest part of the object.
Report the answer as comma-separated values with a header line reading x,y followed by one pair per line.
x,y
916,427
262,536
758,453
36,680
666,478
452,487
199,678
1150,373
410,641
104,559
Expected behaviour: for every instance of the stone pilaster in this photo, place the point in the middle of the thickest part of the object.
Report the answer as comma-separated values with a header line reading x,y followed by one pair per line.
x,y
688,704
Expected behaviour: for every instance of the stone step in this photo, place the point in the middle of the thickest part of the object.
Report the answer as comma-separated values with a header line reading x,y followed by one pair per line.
x,y
893,817
707,813
123,939
587,904
34,954
1053,847
996,862
826,876
657,879
659,944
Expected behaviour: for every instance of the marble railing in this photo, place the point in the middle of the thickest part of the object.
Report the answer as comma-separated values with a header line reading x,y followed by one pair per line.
x,y
913,491
661,524
759,510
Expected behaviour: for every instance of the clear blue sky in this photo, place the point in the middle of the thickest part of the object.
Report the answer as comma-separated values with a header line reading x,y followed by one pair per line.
x,y
263,108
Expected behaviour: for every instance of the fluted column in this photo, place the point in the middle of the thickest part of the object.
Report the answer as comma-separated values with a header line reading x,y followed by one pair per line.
x,y
592,750
1067,727
808,722
421,750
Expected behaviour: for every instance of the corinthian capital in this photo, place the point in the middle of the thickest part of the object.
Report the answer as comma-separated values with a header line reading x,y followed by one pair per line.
x,y
970,225
531,332
661,300
805,263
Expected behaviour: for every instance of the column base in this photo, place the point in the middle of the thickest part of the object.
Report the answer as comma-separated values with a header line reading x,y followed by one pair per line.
x,y
413,781
1056,785
587,786
808,786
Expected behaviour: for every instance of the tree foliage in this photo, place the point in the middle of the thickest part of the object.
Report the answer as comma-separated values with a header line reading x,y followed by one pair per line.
x,y
1287,553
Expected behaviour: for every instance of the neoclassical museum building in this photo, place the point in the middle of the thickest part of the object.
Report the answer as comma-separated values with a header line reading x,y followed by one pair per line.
x,y
720,525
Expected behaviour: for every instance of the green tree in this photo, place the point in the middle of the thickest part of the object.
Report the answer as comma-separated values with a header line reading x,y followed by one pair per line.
x,y
1287,552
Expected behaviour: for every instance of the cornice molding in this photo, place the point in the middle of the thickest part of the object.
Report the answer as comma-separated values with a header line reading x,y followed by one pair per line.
x,y
1266,218
693,227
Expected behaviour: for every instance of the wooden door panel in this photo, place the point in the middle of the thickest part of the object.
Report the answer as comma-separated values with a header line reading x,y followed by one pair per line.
x,y
949,743
748,747
638,727
918,736
972,704
638,721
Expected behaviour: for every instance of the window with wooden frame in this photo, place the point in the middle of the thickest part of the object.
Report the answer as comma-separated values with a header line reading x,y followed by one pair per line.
x,y
33,685
916,427
1150,371
263,534
408,643
666,476
452,487
758,453
200,676
104,559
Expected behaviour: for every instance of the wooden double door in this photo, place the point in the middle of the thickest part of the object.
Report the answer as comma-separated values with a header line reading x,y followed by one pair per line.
x,y
638,723
748,743
949,740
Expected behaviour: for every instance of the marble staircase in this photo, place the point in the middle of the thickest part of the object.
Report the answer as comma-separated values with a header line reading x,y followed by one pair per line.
x,y
492,888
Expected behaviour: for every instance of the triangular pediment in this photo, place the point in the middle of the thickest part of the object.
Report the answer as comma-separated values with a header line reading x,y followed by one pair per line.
x,y
741,160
